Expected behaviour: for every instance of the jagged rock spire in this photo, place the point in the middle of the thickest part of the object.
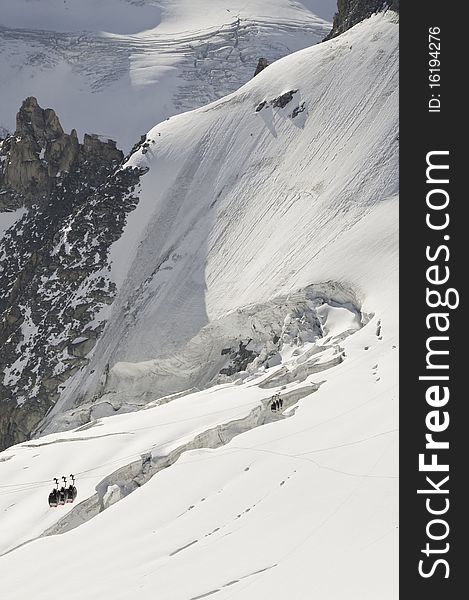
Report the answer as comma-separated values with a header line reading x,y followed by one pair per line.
x,y
39,151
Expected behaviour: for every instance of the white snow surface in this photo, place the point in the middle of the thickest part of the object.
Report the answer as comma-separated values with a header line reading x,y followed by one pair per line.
x,y
238,209
277,511
9,218
116,67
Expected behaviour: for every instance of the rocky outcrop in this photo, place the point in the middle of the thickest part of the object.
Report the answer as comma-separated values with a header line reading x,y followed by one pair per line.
x,y
39,152
261,65
54,284
240,358
291,98
351,12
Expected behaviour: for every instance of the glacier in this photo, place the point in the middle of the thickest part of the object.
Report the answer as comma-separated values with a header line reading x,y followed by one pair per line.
x,y
275,204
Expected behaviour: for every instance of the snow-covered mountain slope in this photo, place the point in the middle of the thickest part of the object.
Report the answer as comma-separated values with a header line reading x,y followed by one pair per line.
x,y
255,196
116,67
267,219
268,183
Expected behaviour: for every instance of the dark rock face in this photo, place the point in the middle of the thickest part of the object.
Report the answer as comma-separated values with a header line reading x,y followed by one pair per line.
x,y
284,99
240,358
298,110
351,12
280,102
53,262
261,65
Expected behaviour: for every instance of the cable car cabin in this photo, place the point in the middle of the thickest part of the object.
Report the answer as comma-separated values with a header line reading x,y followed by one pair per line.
x,y
62,496
66,495
54,495
72,490
71,493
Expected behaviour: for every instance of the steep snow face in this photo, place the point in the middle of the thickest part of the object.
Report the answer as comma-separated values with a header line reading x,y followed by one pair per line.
x,y
289,182
116,67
